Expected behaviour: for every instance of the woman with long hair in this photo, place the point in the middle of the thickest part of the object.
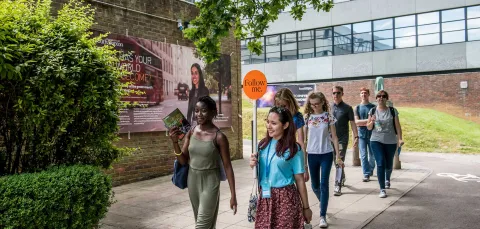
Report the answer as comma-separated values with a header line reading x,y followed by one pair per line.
x,y
285,98
198,90
320,125
204,148
386,136
283,201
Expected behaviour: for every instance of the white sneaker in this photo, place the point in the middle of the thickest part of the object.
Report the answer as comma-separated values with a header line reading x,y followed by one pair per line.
x,y
383,194
337,191
387,184
366,178
323,222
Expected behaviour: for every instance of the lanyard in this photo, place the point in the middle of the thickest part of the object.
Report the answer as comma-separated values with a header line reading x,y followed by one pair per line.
x,y
267,163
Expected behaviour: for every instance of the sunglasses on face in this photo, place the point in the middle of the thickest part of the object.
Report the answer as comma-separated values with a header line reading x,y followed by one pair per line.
x,y
382,96
336,93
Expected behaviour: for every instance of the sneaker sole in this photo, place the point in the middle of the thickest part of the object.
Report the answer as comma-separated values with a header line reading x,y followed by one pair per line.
x,y
337,194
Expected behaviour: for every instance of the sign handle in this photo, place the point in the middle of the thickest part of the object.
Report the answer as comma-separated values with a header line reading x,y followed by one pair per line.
x,y
254,136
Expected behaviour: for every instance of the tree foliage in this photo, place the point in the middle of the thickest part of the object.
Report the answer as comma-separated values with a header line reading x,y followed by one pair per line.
x,y
248,18
59,92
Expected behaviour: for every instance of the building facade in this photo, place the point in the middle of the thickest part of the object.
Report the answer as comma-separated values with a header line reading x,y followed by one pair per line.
x,y
360,40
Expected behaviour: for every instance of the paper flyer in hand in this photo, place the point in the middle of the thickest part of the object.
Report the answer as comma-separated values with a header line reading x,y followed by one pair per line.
x,y
176,118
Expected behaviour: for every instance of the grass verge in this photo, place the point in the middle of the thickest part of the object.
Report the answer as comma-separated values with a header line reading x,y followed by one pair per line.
x,y
424,130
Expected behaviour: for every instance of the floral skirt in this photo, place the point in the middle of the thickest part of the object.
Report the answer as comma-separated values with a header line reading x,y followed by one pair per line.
x,y
282,210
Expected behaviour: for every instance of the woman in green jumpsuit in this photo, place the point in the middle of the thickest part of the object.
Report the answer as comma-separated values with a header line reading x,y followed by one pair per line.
x,y
205,147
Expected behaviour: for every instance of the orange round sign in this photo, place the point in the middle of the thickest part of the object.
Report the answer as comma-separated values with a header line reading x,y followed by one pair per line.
x,y
255,84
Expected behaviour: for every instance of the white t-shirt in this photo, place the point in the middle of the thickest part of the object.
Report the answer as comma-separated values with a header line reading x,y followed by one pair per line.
x,y
319,141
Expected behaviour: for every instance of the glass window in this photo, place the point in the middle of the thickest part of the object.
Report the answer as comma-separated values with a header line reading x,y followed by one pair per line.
x,y
245,53
428,29
405,42
289,46
306,44
453,25
342,40
405,32
383,44
258,59
324,51
452,37
323,40
272,48
362,37
428,39
473,23
363,27
473,12
405,21
273,57
473,34
342,30
383,24
383,34
428,18
453,15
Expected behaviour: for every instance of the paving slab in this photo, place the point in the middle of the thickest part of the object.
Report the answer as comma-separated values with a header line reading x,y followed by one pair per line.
x,y
157,203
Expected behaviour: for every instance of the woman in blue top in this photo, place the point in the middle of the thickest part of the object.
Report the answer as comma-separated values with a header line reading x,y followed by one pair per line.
x,y
283,199
285,98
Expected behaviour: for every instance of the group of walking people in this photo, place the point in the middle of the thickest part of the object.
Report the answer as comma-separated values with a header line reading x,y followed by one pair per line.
x,y
296,148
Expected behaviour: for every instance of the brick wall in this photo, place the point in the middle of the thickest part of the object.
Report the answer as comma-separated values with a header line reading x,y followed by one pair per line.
x,y
154,157
440,92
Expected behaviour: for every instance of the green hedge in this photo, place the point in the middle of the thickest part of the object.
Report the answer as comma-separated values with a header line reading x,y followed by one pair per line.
x,y
65,197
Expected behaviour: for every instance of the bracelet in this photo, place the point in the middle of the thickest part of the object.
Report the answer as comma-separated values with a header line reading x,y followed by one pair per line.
x,y
355,137
306,208
177,154
175,142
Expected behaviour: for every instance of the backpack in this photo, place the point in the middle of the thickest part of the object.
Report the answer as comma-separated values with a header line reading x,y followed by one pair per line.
x,y
392,111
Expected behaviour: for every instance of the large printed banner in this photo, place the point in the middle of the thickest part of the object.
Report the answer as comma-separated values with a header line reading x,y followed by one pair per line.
x,y
300,91
165,77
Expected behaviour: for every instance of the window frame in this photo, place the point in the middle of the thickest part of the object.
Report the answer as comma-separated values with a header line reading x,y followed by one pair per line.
x,y
448,28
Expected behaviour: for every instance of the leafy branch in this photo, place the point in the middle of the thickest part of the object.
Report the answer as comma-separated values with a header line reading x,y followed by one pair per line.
x,y
248,18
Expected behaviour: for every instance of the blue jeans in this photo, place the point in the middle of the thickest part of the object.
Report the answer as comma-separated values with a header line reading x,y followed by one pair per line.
x,y
323,162
366,155
384,154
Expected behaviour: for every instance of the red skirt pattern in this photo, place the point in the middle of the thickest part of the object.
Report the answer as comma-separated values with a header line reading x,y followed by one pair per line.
x,y
282,211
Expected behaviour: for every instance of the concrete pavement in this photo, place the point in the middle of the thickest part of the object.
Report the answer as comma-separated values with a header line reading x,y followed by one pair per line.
x,y
157,203
443,200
